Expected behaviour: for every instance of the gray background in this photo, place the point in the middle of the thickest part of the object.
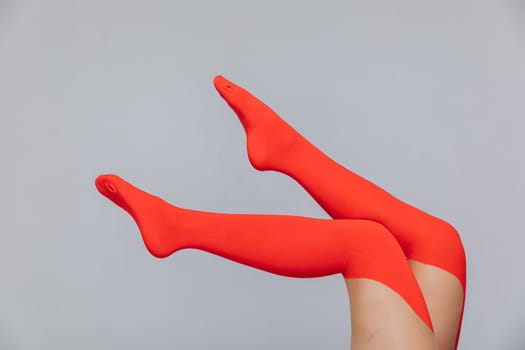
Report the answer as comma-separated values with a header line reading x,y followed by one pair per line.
x,y
425,98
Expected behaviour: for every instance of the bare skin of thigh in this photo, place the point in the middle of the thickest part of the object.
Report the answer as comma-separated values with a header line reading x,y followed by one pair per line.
x,y
444,298
381,319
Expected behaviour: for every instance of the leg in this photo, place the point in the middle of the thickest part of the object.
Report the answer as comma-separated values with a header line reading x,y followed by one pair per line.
x,y
275,145
361,250
444,297
371,304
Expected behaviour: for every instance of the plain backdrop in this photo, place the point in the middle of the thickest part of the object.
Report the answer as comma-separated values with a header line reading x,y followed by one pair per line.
x,y
425,98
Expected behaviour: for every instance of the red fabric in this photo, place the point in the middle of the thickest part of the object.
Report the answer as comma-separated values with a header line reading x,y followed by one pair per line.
x,y
274,145
287,245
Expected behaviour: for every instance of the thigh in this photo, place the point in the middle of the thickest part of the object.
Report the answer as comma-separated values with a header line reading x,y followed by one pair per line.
x,y
444,298
381,319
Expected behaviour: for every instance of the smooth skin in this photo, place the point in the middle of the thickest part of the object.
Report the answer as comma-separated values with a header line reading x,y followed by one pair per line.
x,y
382,320
444,298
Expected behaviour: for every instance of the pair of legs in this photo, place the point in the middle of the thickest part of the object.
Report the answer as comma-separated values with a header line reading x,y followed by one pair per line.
x,y
404,269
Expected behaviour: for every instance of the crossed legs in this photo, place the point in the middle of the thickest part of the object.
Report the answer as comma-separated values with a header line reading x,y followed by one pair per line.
x,y
396,259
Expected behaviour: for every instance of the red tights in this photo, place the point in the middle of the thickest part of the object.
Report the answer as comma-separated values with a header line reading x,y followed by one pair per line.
x,y
372,234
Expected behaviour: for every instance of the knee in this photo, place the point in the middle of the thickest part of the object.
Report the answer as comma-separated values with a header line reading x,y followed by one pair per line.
x,y
451,237
444,249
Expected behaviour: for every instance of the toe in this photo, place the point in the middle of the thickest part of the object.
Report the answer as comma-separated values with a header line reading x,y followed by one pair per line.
x,y
106,185
223,85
